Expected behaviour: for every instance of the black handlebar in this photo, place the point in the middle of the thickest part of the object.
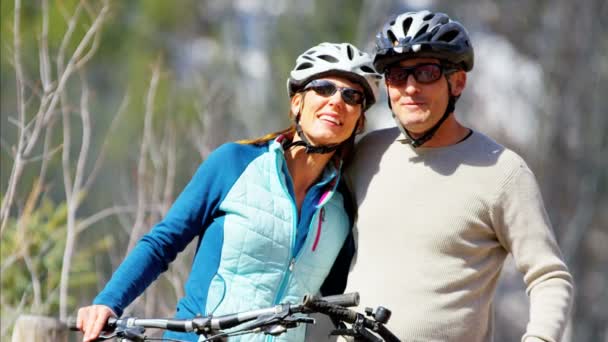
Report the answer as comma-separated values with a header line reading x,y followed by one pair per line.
x,y
345,300
333,306
224,321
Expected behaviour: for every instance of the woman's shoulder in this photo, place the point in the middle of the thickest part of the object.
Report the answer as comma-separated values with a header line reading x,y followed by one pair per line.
x,y
235,152
236,148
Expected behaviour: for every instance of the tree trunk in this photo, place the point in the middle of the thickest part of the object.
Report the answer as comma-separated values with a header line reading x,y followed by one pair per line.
x,y
40,329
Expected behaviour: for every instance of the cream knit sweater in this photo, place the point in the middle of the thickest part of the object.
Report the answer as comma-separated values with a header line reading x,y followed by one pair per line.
x,y
433,230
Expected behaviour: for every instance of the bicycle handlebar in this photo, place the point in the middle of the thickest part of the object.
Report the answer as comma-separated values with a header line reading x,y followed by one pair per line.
x,y
333,306
352,317
224,321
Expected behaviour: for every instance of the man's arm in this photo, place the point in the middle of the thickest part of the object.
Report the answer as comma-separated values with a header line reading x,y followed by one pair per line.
x,y
524,229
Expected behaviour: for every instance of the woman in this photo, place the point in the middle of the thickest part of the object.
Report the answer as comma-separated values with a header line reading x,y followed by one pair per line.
x,y
270,214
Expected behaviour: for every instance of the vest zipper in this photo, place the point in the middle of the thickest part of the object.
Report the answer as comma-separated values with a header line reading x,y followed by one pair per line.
x,y
319,225
294,225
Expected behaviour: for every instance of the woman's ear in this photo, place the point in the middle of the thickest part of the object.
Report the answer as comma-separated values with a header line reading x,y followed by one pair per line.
x,y
458,81
296,102
360,124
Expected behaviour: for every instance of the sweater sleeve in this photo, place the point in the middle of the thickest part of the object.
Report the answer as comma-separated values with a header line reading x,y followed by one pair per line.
x,y
523,228
188,217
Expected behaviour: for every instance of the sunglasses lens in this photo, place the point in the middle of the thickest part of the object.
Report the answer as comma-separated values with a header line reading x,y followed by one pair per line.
x,y
397,76
425,73
326,88
352,96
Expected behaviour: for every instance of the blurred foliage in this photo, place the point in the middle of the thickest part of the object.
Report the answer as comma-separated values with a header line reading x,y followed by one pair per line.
x,y
209,93
31,251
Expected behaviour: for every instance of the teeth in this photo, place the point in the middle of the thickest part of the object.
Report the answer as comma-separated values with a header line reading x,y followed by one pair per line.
x,y
331,119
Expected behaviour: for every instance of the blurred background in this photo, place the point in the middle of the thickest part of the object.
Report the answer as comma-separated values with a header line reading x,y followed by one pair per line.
x,y
108,107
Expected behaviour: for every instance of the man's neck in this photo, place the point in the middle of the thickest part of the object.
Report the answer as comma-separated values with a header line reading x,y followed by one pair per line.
x,y
449,133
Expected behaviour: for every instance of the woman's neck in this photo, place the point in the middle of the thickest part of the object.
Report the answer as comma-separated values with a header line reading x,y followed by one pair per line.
x,y
305,169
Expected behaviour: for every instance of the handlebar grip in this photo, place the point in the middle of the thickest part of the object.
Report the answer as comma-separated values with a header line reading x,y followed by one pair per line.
x,y
335,311
70,322
345,300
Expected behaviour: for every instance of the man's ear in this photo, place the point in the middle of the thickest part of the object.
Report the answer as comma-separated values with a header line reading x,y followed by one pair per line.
x,y
458,81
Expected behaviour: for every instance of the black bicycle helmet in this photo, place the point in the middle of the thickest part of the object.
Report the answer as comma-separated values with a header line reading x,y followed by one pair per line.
x,y
423,34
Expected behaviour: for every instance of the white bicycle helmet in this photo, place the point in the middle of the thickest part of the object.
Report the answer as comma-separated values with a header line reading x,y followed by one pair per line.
x,y
423,34
328,59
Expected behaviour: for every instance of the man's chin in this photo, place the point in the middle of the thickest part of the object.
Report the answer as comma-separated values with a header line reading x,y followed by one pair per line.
x,y
415,127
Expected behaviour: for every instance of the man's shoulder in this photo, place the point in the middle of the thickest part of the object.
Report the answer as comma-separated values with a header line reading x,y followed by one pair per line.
x,y
376,141
493,162
504,155
384,135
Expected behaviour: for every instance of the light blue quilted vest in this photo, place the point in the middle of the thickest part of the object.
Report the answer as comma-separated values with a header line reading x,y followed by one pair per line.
x,y
257,267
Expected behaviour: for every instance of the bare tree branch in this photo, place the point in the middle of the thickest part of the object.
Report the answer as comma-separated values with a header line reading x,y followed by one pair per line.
x,y
141,167
45,64
101,156
18,163
27,135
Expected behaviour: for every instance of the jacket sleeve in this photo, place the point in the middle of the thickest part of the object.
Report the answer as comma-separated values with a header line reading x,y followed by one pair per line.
x,y
523,227
188,217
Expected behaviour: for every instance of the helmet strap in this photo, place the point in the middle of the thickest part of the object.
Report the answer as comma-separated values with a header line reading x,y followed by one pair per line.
x,y
426,136
308,147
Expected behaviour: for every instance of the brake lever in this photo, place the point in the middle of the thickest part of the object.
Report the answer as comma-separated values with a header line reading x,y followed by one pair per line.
x,y
281,325
342,332
103,337
135,334
131,334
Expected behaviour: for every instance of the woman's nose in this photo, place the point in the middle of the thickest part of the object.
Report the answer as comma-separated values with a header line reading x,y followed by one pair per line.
x,y
336,98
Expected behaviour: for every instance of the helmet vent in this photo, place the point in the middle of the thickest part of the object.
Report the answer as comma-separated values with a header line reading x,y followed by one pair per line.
x,y
328,58
368,69
392,38
448,36
422,31
304,66
406,25
349,51
428,17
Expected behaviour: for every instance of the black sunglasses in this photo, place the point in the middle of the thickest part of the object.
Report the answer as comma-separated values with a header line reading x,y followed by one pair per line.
x,y
423,73
327,88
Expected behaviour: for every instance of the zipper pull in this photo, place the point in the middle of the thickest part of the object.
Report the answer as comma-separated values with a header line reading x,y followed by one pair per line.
x,y
292,264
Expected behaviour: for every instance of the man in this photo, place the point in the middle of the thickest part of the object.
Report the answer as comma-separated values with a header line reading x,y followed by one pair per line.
x,y
441,206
